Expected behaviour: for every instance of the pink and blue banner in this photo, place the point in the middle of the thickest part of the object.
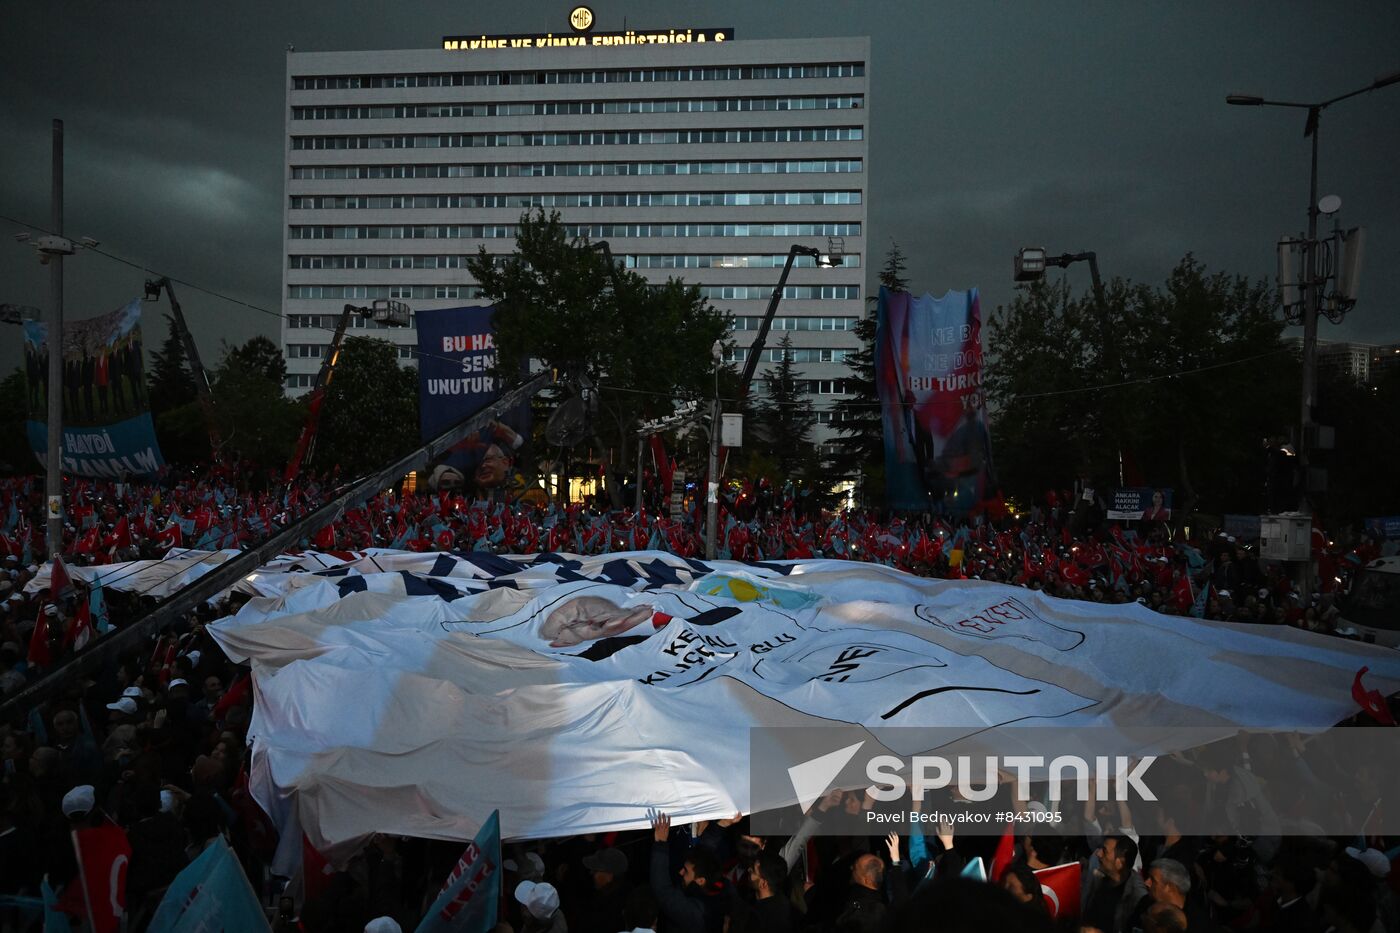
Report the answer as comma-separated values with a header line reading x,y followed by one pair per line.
x,y
928,369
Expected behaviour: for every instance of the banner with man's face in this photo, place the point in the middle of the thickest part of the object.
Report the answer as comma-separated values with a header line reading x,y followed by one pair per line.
x,y
412,693
928,370
456,379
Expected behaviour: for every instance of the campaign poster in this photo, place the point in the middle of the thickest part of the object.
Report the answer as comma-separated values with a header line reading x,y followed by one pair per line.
x,y
107,426
928,369
1140,504
456,379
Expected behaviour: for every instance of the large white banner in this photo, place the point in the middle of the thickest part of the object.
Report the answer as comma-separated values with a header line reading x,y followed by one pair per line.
x,y
415,693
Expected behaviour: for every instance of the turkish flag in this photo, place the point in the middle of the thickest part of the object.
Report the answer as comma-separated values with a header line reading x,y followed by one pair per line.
x,y
316,871
103,856
1005,855
1371,701
39,653
60,584
1060,888
81,631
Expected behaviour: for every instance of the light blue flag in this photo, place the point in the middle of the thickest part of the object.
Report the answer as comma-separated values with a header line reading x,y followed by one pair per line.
x,y
975,870
97,606
468,902
1198,608
212,893
55,920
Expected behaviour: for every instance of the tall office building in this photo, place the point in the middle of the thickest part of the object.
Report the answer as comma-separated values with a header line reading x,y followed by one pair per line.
x,y
702,160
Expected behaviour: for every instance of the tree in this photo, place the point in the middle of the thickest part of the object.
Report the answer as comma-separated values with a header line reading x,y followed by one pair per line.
x,y
642,345
858,420
784,419
257,355
1184,380
370,413
16,456
255,420
1361,470
171,382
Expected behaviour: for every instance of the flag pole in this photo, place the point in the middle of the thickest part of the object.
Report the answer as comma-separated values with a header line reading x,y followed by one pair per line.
x,y
82,880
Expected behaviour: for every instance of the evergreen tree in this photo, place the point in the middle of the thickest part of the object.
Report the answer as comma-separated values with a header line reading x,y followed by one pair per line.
x,y
256,420
858,422
172,384
785,419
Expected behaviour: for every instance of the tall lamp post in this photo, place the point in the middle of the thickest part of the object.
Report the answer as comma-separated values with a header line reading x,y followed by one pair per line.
x,y
1311,283
712,477
1031,263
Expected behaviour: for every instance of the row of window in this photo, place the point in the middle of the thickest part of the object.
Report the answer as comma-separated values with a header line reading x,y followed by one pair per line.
x,y
794,355
796,323
577,169
329,322
797,134
611,76
716,292
592,231
314,351
574,107
790,292
313,202
384,291
630,261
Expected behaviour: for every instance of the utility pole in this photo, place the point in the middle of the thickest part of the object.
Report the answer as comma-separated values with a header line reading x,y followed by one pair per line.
x,y
54,483
712,477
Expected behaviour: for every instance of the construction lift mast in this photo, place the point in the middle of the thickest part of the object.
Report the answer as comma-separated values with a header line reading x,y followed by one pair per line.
x,y
383,311
201,376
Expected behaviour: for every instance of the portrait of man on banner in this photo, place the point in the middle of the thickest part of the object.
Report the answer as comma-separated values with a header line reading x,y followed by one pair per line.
x,y
928,366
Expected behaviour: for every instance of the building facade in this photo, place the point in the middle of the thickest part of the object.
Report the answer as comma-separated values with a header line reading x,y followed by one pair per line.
x,y
704,161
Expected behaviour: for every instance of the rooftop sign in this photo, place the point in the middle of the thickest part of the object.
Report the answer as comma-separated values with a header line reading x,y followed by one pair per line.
x,y
581,22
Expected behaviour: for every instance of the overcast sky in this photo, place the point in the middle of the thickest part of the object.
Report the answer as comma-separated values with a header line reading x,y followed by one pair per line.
x,y
1070,125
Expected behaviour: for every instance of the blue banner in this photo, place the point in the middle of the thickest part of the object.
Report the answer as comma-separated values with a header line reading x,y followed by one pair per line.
x,y
1386,527
456,356
470,899
1140,503
928,369
107,427
211,893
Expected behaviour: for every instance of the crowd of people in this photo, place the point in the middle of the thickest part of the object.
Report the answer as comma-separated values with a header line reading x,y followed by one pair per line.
x,y
155,740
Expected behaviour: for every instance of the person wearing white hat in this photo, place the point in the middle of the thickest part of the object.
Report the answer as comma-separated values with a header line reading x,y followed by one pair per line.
x,y
383,925
79,802
123,709
540,901
1373,859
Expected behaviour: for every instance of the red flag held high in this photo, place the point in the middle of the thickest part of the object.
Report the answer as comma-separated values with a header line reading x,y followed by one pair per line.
x,y
1060,888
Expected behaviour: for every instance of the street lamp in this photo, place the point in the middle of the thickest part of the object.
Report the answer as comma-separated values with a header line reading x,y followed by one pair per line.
x,y
1031,264
712,479
1311,301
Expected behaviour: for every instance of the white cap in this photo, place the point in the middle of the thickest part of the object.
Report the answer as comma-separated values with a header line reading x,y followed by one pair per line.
x,y
194,658
50,610
79,800
179,682
167,801
124,705
539,898
383,925
1374,860
134,692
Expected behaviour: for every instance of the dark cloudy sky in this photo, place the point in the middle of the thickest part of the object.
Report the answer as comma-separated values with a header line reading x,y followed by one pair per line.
x,y
1075,125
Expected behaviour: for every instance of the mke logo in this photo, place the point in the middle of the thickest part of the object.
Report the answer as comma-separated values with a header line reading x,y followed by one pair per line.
x,y
581,18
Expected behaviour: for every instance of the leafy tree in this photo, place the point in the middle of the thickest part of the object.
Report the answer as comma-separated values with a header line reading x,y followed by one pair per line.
x,y
259,355
370,413
15,453
784,419
256,421
858,420
1189,378
642,345
1361,469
